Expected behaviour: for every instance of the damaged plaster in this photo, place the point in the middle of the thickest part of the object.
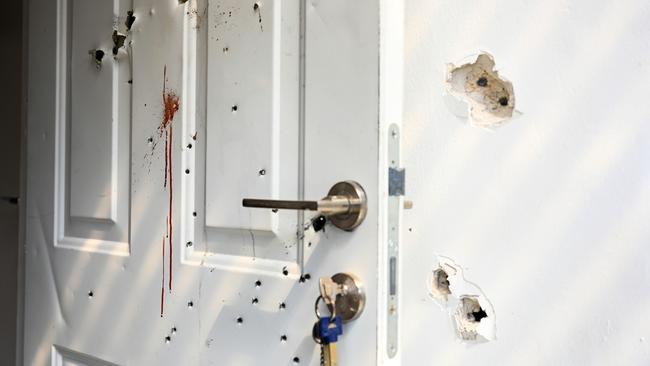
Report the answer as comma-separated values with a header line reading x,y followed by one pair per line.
x,y
471,312
489,97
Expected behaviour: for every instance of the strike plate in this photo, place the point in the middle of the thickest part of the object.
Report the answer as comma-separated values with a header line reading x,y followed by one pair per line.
x,y
396,190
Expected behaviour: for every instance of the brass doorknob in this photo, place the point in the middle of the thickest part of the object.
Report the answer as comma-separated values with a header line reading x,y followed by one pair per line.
x,y
345,205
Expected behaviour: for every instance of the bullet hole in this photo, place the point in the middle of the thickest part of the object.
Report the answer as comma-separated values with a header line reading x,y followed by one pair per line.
x,y
472,313
296,360
194,136
304,278
468,316
194,213
97,56
256,7
283,338
189,146
480,93
285,271
309,244
255,301
441,284
234,108
130,19
188,244
118,42
226,49
168,339
240,320
187,171
182,1
150,140
190,304
90,294
478,315
318,223
274,210
174,330
283,306
258,283
130,81
262,172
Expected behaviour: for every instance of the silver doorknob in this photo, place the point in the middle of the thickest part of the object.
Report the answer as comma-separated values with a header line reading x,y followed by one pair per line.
x,y
345,205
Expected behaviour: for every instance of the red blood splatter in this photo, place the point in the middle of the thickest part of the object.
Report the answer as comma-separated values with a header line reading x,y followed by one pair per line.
x,y
171,104
162,289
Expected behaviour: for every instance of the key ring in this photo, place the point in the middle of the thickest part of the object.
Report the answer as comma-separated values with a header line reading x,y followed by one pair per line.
x,y
332,309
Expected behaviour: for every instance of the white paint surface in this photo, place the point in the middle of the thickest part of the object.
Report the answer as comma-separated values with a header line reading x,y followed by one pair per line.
x,y
549,214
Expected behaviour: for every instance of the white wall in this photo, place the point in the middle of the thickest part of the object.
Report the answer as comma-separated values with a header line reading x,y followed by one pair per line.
x,y
550,214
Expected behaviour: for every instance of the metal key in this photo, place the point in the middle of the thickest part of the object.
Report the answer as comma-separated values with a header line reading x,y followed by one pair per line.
x,y
329,290
329,331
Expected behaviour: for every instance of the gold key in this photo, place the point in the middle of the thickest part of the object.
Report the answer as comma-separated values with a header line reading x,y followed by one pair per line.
x,y
328,352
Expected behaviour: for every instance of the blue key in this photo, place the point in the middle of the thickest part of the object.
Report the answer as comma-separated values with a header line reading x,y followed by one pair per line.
x,y
329,330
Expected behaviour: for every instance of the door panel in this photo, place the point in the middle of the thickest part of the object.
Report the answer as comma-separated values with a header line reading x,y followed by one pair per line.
x,y
138,251
243,130
93,121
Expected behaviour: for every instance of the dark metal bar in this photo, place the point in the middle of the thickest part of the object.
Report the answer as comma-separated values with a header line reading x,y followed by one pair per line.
x,y
281,204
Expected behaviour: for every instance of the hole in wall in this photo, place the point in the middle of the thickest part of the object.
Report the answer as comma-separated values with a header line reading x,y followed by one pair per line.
x,y
487,97
91,294
190,304
285,271
283,306
468,317
440,284
255,301
296,360
234,108
258,283
471,312
283,338
239,320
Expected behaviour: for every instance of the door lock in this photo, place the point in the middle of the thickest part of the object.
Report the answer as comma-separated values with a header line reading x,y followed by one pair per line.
x,y
345,205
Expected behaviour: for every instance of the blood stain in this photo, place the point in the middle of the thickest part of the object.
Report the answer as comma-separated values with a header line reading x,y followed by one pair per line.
x,y
171,105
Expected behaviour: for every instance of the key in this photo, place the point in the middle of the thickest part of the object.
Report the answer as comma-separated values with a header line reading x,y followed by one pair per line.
x,y
329,290
329,331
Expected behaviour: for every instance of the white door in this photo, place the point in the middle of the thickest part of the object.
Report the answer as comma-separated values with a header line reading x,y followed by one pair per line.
x,y
144,135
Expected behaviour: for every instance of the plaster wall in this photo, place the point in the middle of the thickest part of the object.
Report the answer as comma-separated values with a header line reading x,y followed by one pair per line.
x,y
548,214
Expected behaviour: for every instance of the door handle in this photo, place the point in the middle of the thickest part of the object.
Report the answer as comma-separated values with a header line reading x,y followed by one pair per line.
x,y
345,205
